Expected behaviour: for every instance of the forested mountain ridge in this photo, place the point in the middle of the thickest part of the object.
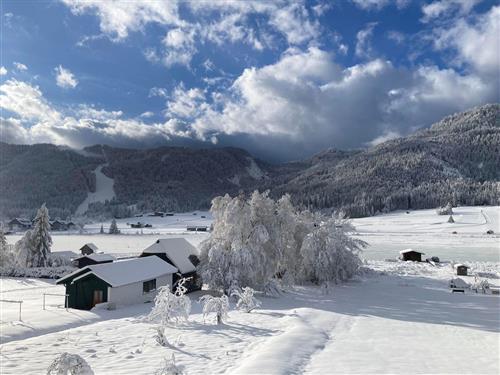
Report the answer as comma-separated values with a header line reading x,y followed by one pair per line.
x,y
456,159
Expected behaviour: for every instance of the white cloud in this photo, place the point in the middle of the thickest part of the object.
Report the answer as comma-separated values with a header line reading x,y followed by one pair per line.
x,y
396,36
147,114
440,8
64,78
3,71
20,67
475,42
379,4
158,91
179,46
363,41
186,103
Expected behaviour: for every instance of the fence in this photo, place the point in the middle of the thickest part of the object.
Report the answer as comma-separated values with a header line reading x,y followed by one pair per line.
x,y
59,295
13,301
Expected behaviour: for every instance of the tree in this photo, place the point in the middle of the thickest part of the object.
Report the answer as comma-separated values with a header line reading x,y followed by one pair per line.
x,y
113,228
40,238
171,307
101,231
6,255
67,363
217,305
23,250
246,300
329,253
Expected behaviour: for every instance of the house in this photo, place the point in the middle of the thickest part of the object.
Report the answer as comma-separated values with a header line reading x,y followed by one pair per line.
x,y
60,225
124,282
88,248
197,228
409,254
19,224
182,255
461,269
94,258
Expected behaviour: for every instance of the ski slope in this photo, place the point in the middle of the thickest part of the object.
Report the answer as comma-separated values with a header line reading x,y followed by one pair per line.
x,y
103,191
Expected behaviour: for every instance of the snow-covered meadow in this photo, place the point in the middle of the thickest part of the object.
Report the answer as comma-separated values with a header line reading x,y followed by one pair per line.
x,y
395,317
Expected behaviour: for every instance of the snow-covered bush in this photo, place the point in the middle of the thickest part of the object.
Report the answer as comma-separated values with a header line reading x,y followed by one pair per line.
x,y
169,367
272,289
69,364
160,336
217,305
329,253
246,300
171,307
446,210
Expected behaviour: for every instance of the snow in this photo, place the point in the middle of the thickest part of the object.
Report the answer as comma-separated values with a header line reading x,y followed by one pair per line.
x,y
360,327
254,171
91,245
103,191
410,251
125,272
177,249
97,257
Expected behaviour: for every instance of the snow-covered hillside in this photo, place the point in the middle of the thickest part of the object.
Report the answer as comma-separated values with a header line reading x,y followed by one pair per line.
x,y
396,318
103,191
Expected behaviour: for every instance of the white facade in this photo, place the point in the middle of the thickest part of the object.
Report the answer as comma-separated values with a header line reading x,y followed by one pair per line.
x,y
131,294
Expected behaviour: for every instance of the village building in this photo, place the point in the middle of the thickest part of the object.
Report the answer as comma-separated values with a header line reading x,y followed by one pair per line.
x,y
94,258
181,254
411,255
88,248
197,228
120,283
62,225
461,269
19,224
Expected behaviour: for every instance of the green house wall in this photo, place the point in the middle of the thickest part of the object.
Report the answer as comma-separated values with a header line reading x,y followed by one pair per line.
x,y
81,292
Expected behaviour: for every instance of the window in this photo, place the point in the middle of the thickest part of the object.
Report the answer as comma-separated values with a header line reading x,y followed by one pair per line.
x,y
148,286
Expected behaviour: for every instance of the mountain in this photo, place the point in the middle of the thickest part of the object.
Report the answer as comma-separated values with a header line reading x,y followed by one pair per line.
x,y
456,159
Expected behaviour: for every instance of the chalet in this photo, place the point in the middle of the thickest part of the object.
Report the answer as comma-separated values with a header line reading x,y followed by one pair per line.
x,y
61,225
19,224
197,228
123,282
409,254
182,255
88,248
461,269
94,258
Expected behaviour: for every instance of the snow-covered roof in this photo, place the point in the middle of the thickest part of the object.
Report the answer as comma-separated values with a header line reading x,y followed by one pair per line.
x,y
176,249
410,251
91,245
125,272
460,265
98,257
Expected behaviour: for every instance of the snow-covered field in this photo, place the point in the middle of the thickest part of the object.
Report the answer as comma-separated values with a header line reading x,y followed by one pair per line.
x,y
396,318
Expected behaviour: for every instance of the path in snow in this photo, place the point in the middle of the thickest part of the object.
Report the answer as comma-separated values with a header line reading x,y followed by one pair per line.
x,y
103,191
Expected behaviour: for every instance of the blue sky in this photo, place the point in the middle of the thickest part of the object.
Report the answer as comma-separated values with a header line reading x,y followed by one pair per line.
x,y
282,79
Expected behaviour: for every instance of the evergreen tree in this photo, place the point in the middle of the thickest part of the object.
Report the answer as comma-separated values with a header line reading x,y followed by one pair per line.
x,y
41,239
113,229
3,240
102,230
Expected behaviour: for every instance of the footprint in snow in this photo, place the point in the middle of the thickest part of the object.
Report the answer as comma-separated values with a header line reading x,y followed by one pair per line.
x,y
130,356
21,348
90,351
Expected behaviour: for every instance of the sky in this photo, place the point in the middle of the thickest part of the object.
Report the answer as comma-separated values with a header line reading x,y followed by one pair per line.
x,y
282,79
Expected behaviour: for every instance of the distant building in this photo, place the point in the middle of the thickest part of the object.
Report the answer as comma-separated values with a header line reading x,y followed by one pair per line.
x,y
411,255
181,254
62,225
197,228
123,282
19,224
461,269
88,248
94,258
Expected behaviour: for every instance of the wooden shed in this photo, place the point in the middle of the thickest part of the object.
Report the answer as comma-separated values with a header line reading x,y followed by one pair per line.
x,y
87,260
88,248
411,255
123,282
180,253
461,269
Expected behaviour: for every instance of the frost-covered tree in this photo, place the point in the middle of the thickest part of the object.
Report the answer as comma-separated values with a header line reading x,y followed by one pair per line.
x,y
23,250
113,228
69,364
217,305
329,253
41,240
246,300
169,367
446,210
171,307
101,231
6,253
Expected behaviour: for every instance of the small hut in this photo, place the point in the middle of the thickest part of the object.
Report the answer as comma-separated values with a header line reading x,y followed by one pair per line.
x,y
411,255
94,258
88,248
461,269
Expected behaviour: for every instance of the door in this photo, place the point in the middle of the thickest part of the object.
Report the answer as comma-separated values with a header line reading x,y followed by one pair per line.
x,y
98,297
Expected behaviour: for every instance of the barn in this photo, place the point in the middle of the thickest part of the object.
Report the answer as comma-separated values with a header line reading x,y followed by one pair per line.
x,y
88,248
94,258
182,255
125,282
461,269
411,255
